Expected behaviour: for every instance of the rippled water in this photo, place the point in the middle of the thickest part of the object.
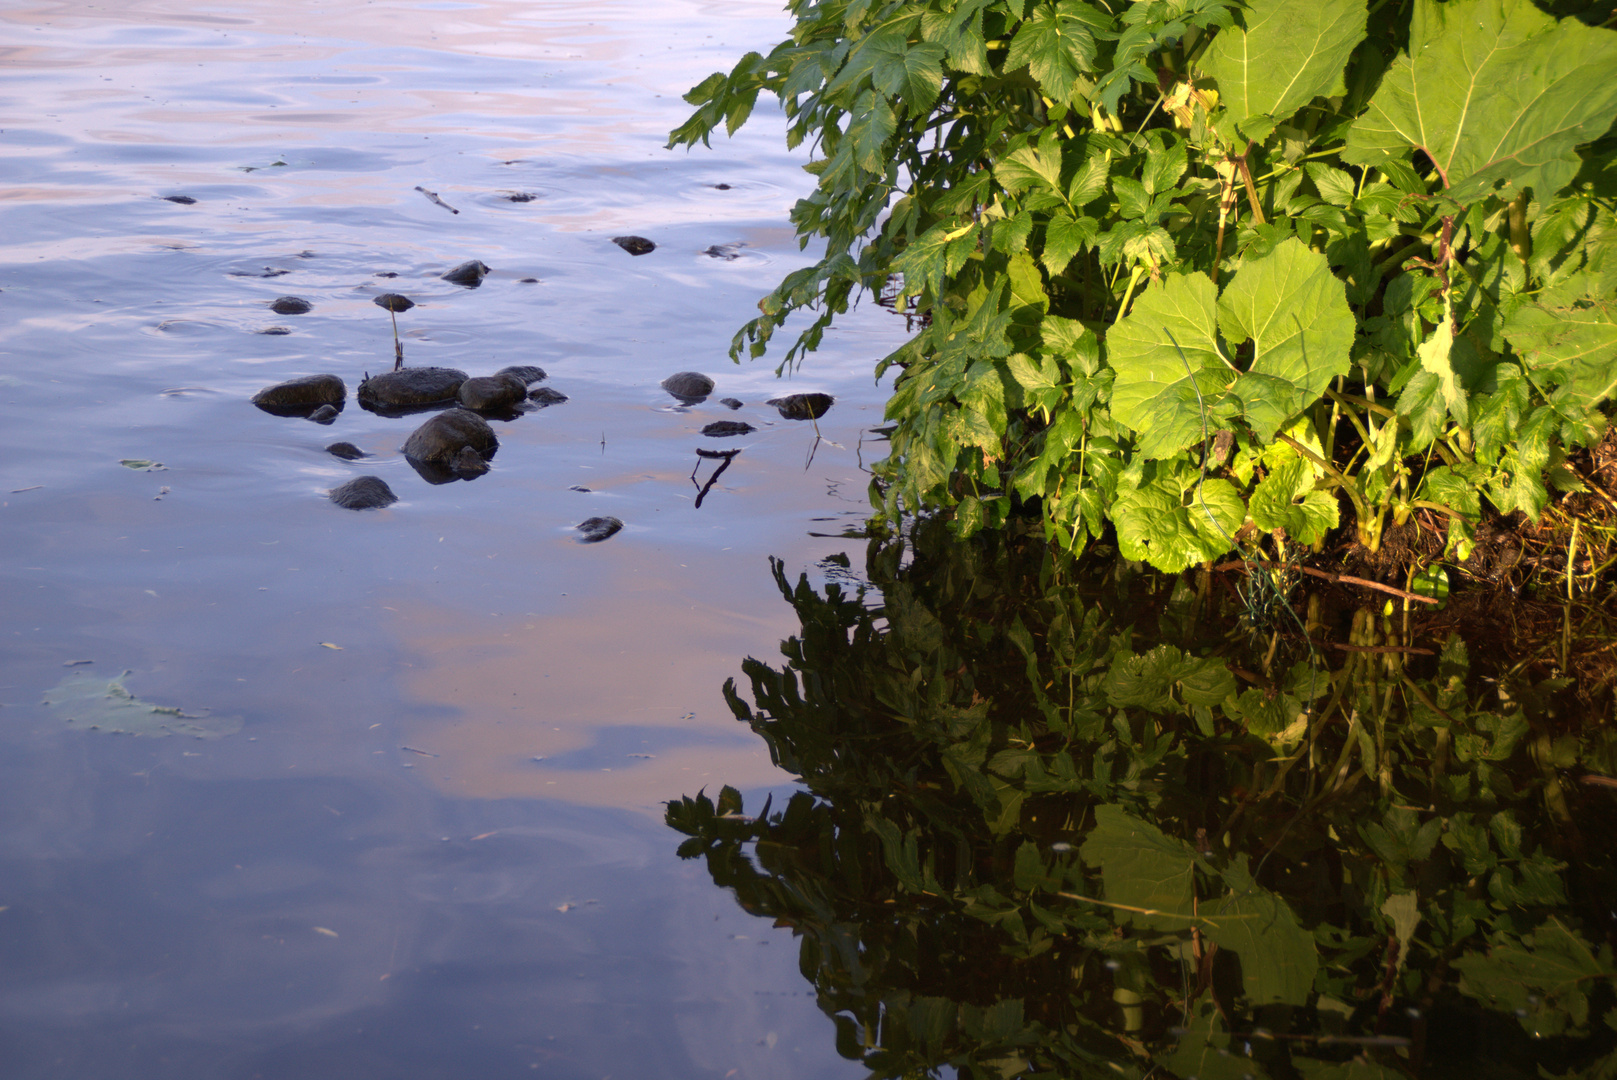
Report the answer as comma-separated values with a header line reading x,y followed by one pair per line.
x,y
432,848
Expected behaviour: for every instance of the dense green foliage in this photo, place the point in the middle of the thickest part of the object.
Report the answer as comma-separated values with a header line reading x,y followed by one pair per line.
x,y
1203,269
1037,843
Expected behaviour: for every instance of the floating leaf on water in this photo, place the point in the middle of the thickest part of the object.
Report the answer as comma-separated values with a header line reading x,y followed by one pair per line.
x,y
142,464
88,702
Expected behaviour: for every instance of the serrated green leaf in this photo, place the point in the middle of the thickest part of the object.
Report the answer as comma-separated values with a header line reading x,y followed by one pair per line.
x,y
1173,528
1545,980
911,73
1568,338
1290,52
1492,91
1064,237
1278,957
1055,47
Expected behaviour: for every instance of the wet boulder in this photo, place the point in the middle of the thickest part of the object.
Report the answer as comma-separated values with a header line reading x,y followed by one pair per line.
x,y
526,372
722,429
730,403
493,393
596,529
690,387
802,406
275,331
346,450
301,396
325,414
410,388
363,493
441,439
469,273
544,395
393,302
635,245
291,305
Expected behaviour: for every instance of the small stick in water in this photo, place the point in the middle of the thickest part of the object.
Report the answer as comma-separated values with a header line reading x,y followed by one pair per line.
x,y
433,195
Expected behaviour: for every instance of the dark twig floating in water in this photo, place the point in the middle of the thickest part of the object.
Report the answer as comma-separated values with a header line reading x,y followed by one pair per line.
x,y
433,196
702,489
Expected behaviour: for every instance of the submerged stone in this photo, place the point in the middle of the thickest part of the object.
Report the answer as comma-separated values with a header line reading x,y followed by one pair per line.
x,y
468,463
596,529
492,392
325,414
275,331
720,429
730,403
346,450
544,395
291,305
441,439
363,493
802,406
410,388
469,273
526,372
301,396
635,245
183,200
690,387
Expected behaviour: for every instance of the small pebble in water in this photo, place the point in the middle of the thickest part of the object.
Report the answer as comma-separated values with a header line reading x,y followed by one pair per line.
x,y
635,245
183,200
291,305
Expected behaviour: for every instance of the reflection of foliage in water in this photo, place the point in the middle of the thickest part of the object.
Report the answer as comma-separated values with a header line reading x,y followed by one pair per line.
x,y
1038,844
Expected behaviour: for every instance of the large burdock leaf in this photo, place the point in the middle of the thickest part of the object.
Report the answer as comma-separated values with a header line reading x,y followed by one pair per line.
x,y
1169,339
1174,523
1291,52
1286,499
1296,314
1569,339
1278,957
1492,91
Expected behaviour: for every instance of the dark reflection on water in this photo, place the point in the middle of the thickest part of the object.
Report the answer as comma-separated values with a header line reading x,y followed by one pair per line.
x,y
1041,843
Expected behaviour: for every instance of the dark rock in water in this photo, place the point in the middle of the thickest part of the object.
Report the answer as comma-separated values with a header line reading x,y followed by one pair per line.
x,y
579,487
346,450
276,331
183,200
300,397
722,429
720,187
691,387
492,392
384,273
730,403
469,273
635,245
520,196
468,463
530,281
441,439
291,305
325,414
596,529
392,301
544,395
363,493
802,406
410,388
727,252
526,372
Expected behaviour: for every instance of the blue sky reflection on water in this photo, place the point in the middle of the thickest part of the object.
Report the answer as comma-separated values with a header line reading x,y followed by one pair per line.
x,y
375,876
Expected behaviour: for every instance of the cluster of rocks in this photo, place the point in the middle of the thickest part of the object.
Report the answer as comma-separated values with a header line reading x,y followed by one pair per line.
x,y
455,443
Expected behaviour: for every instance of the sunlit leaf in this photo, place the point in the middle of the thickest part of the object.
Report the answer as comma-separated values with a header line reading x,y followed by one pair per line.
x,y
1290,52
1492,91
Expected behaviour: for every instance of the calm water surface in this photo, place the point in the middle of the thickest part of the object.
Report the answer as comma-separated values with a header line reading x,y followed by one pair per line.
x,y
429,842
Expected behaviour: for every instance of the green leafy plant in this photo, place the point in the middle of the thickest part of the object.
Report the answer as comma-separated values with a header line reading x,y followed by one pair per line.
x,y
1202,269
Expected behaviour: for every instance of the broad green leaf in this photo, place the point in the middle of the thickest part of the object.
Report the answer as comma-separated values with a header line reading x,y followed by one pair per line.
x,y
1167,340
1295,312
1286,499
1064,237
1434,358
1205,1051
1148,874
1148,681
1291,52
1568,338
1173,527
870,132
1278,957
913,73
1055,47
1492,91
